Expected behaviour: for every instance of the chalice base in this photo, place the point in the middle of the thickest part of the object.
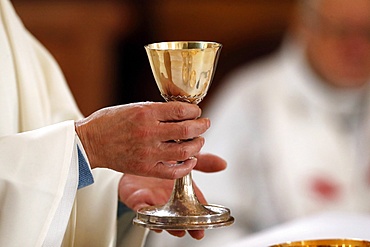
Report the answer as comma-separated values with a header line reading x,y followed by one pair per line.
x,y
164,218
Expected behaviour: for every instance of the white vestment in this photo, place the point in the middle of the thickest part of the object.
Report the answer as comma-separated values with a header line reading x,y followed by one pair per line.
x,y
38,153
294,147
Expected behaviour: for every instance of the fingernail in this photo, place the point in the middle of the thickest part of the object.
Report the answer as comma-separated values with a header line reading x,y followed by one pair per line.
x,y
208,122
173,163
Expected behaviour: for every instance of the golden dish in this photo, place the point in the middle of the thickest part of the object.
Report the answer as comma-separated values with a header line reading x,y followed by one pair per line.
x,y
326,243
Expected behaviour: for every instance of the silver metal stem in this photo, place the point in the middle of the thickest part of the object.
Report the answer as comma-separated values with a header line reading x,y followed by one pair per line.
x,y
183,200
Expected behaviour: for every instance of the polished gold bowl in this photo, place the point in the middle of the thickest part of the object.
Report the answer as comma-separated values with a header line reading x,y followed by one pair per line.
x,y
326,243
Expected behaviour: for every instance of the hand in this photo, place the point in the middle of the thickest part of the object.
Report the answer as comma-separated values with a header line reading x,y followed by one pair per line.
x,y
137,138
137,192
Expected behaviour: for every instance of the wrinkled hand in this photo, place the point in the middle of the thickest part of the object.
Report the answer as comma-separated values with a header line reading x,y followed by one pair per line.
x,y
137,138
137,192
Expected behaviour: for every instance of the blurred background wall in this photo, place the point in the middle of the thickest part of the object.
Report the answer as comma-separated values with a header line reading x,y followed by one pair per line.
x,y
99,43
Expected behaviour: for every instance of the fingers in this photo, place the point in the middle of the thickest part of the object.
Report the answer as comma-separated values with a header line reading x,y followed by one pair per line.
x,y
162,159
174,151
137,192
197,234
177,233
135,138
175,111
210,163
180,151
173,171
142,200
202,162
183,130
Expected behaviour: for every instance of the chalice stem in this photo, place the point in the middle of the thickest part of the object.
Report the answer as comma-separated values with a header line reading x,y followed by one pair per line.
x,y
183,190
183,199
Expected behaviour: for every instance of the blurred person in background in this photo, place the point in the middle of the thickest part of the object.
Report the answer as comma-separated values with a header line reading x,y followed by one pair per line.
x,y
295,127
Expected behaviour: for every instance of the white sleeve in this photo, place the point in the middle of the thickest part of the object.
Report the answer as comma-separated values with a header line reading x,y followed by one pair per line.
x,y
34,172
59,223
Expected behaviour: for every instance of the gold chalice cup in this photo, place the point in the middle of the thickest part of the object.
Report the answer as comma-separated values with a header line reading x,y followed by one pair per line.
x,y
183,72
326,243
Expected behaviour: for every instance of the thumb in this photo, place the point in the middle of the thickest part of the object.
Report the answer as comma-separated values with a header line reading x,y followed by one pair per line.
x,y
171,170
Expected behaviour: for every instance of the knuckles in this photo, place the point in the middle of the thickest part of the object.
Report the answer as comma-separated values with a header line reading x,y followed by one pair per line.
x,y
185,152
141,112
184,131
180,111
189,149
193,128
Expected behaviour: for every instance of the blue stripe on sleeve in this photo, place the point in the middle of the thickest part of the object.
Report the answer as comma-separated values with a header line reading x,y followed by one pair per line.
x,y
85,177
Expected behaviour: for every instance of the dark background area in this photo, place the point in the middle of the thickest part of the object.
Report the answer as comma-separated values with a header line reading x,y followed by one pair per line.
x,y
100,44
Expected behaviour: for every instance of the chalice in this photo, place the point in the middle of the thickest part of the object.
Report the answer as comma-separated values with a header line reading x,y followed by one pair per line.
x,y
326,243
183,72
